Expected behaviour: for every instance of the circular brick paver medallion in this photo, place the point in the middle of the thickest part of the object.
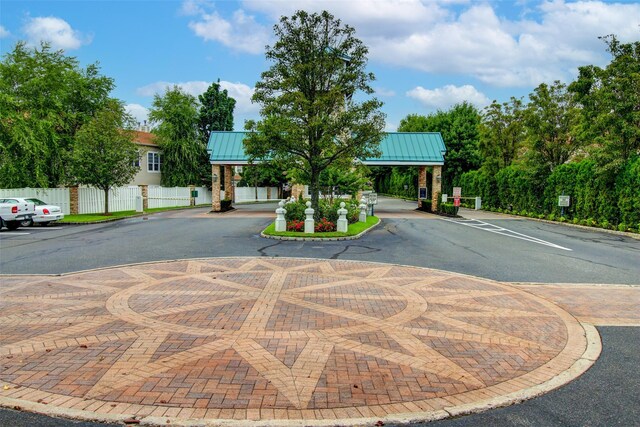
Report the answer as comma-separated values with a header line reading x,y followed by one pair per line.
x,y
269,340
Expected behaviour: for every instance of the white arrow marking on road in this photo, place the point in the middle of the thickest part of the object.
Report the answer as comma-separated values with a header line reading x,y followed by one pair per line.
x,y
479,225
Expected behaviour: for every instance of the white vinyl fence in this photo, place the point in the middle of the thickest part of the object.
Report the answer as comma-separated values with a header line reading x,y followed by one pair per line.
x,y
91,200
52,196
248,194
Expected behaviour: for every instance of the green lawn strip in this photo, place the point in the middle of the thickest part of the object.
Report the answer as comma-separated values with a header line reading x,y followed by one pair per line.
x,y
96,217
354,229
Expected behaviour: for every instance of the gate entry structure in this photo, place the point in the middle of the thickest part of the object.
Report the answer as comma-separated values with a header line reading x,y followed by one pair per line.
x,y
420,149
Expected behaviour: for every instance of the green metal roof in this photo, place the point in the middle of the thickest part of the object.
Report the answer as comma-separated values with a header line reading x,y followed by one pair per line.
x,y
398,148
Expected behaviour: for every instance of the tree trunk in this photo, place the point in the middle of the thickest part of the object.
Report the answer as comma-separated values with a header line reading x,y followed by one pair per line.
x,y
106,201
314,186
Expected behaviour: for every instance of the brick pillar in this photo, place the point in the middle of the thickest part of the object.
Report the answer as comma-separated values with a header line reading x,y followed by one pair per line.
x,y
228,182
73,200
436,185
192,200
215,188
144,190
422,181
297,190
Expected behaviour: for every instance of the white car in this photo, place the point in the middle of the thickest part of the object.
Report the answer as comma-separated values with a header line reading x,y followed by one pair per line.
x,y
44,213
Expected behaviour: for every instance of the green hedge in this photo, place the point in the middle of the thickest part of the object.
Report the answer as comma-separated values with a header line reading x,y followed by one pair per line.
x,y
597,199
393,183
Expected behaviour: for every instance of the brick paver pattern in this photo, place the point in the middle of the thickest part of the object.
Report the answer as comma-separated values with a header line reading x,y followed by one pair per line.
x,y
273,338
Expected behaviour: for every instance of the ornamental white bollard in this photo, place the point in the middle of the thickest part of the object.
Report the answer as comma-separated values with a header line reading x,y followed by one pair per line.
x,y
281,222
309,224
343,224
363,210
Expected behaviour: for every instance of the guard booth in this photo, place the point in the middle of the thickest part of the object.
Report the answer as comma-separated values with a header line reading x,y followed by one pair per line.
x,y
413,149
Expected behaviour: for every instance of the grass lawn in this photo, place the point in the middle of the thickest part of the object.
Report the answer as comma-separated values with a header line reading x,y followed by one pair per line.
x,y
354,229
94,217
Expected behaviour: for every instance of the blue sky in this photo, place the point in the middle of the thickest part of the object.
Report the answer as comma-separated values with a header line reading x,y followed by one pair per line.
x,y
426,55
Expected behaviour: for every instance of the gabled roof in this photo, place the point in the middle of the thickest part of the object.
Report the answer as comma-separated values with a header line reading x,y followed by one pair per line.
x,y
144,138
398,148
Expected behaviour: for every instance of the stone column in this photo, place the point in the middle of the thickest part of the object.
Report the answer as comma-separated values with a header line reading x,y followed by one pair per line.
x,y
215,188
297,190
436,185
144,191
268,193
422,181
192,200
73,200
228,182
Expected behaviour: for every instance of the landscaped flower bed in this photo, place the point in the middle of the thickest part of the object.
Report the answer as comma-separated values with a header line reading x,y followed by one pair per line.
x,y
353,230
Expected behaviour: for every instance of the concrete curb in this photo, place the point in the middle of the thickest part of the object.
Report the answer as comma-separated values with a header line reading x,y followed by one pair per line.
x,y
321,239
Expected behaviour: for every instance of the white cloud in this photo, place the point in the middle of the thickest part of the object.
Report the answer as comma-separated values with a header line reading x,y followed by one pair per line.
x,y
242,94
547,42
4,32
371,18
56,31
238,91
241,32
449,95
139,113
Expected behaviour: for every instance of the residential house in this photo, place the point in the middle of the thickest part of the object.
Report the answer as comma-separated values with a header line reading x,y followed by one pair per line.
x,y
149,160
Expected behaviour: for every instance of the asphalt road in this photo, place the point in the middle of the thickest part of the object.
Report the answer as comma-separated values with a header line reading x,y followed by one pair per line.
x,y
595,257
517,250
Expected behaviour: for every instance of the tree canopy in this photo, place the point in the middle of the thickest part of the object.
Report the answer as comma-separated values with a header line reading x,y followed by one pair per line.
x,y
610,104
312,116
45,98
104,154
459,129
184,156
550,119
216,111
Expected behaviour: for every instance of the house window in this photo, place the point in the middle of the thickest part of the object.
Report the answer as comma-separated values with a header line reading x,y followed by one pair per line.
x,y
154,161
136,162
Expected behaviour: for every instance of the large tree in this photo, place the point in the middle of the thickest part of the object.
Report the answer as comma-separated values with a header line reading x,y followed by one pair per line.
x,y
501,134
610,101
550,119
216,111
45,97
459,127
312,113
184,156
104,154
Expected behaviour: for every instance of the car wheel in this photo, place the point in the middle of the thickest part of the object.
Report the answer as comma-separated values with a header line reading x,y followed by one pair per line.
x,y
1,223
44,224
12,225
26,223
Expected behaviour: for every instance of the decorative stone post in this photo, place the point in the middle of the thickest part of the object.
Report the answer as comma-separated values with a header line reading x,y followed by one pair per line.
x,y
215,188
309,224
363,210
343,224
436,185
281,222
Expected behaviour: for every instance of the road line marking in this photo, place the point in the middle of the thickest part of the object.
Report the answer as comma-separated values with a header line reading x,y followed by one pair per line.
x,y
16,234
485,226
